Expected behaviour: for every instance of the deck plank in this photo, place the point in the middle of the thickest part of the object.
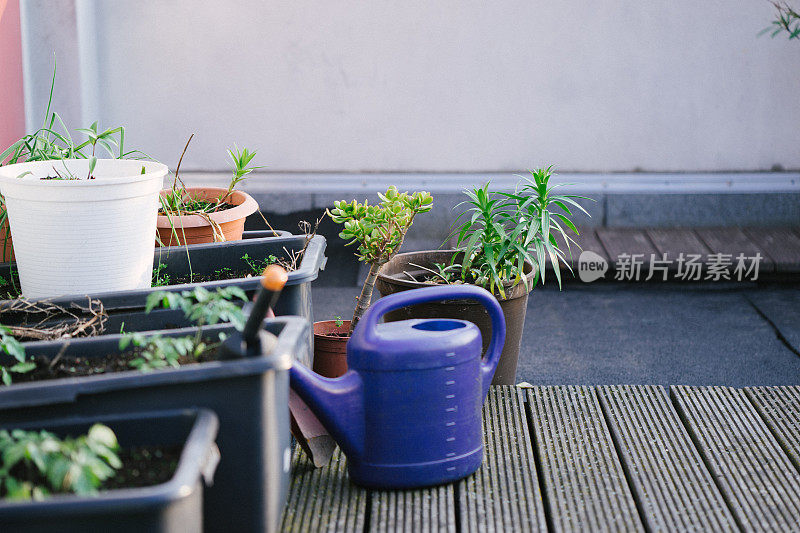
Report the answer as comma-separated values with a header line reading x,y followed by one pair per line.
x,y
631,241
781,244
756,477
586,240
674,489
676,241
323,499
585,486
733,241
503,495
780,409
414,511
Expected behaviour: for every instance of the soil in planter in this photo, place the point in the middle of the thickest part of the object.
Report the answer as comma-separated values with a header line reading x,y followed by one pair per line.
x,y
71,366
334,335
142,466
255,268
201,208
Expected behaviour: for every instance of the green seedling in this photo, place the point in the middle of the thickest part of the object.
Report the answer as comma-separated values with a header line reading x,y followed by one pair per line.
x,y
11,346
257,266
160,279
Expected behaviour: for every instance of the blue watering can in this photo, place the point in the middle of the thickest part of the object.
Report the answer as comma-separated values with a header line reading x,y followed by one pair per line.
x,y
408,411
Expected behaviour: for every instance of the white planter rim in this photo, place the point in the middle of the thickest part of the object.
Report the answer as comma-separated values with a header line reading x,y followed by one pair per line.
x,y
104,176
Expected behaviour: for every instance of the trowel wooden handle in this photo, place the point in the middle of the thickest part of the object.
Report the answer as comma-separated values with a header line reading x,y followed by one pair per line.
x,y
273,280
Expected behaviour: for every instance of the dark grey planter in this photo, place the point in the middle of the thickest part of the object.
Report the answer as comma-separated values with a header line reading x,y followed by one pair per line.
x,y
174,506
250,396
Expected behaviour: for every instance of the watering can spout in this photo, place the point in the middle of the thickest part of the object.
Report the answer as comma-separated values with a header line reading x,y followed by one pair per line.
x,y
338,403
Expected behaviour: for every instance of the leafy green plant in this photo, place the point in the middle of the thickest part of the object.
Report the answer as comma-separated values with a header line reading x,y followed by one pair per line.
x,y
157,352
38,463
502,231
787,20
199,305
204,307
11,346
379,231
338,321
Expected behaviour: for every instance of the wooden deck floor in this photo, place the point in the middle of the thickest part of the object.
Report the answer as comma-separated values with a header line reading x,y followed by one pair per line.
x,y
779,248
611,458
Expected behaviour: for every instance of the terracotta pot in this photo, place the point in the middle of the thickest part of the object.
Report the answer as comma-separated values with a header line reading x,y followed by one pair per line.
x,y
195,229
330,352
392,279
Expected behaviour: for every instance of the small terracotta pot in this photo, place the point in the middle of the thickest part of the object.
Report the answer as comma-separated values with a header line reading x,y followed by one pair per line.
x,y
330,352
195,229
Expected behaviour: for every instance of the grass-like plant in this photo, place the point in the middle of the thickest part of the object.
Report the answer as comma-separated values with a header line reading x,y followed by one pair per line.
x,y
379,231
36,464
502,231
53,141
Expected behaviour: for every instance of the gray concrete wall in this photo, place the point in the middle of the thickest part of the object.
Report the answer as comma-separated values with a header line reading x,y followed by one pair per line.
x,y
449,86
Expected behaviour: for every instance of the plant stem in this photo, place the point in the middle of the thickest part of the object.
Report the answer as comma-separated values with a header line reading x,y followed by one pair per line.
x,y
366,294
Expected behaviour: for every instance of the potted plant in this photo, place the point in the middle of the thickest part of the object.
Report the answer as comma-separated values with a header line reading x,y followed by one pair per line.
x,y
504,241
192,215
51,142
378,230
73,215
82,225
134,472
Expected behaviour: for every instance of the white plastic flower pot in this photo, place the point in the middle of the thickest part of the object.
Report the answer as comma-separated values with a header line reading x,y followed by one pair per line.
x,y
83,236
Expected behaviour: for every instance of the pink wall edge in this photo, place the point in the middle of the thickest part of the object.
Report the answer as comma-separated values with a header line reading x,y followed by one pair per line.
x,y
12,103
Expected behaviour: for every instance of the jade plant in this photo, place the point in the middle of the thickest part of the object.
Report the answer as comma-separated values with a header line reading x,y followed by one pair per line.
x,y
378,231
35,464
502,231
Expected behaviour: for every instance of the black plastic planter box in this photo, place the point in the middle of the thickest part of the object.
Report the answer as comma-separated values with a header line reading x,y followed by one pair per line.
x,y
174,506
205,259
250,396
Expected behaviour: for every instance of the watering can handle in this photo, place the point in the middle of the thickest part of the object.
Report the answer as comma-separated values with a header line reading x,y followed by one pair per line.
x,y
445,292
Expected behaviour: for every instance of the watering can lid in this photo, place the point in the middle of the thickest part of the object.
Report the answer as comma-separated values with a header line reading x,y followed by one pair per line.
x,y
415,344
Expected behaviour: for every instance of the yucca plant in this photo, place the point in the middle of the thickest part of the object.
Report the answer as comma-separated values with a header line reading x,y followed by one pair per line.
x,y
502,231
